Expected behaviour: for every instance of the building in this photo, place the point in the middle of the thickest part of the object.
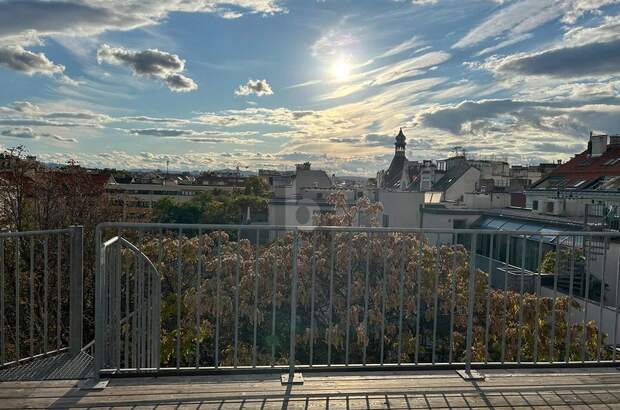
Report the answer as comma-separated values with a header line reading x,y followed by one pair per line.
x,y
135,194
405,175
586,186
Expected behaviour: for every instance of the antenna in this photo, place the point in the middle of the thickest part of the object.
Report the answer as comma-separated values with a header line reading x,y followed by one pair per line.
x,y
167,164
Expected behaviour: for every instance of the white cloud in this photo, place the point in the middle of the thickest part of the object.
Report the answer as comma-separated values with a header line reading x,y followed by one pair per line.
x,y
413,42
29,133
91,17
151,63
524,16
18,59
257,87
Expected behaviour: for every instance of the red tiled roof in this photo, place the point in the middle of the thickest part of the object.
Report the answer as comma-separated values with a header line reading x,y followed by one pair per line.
x,y
585,167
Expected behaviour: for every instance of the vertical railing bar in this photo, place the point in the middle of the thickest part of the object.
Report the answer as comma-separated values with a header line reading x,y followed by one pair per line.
x,y
553,305
117,306
127,313
134,316
31,291
570,301
237,272
471,302
255,321
366,285
418,278
452,301
218,274
198,294
45,294
17,304
615,344
348,314
160,258
602,301
586,295
521,298
435,299
505,301
141,307
58,291
312,300
331,300
383,304
401,298
178,297
538,290
273,310
487,325
2,338
293,338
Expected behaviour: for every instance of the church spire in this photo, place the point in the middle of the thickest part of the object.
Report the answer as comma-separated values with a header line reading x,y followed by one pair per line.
x,y
400,143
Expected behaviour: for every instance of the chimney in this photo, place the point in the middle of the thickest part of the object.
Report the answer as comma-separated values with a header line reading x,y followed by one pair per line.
x,y
597,145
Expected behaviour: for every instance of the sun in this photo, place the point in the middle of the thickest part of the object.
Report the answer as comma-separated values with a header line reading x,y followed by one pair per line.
x,y
341,69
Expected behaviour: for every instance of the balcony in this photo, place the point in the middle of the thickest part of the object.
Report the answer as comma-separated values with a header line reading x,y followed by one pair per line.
x,y
331,307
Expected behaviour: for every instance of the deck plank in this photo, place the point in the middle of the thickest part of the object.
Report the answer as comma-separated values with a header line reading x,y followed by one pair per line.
x,y
576,388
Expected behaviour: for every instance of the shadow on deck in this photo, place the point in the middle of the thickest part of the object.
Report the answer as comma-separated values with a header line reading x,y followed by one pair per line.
x,y
57,367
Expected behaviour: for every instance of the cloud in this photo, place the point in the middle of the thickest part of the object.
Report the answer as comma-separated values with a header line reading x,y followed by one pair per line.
x,y
608,30
22,107
588,60
152,63
29,133
524,16
409,67
205,137
258,87
91,17
18,59
174,132
25,122
180,83
413,42
508,118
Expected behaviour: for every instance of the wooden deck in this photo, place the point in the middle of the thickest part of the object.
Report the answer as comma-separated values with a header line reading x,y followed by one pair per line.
x,y
573,388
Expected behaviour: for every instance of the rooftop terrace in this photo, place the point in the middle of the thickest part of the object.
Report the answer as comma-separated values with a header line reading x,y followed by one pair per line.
x,y
573,388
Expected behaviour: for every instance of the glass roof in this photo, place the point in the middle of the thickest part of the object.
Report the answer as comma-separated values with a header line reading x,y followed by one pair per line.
x,y
506,224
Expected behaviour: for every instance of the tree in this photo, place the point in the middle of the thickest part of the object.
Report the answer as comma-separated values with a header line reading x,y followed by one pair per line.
x,y
255,185
15,184
212,207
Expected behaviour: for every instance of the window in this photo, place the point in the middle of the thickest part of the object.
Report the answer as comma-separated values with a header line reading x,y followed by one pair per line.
x,y
319,195
535,205
549,207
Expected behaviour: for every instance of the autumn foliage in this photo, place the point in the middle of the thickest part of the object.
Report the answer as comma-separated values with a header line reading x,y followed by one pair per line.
x,y
361,298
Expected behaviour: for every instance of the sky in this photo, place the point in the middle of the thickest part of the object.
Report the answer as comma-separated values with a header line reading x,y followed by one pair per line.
x,y
212,84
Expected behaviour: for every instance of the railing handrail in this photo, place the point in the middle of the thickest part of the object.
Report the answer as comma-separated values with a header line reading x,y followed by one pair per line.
x,y
13,234
131,246
354,229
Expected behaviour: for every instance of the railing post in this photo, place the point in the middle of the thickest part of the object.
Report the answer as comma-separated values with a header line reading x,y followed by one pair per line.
x,y
468,374
291,377
76,269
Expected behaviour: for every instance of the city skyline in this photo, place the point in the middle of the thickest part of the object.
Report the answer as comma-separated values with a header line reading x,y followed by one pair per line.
x,y
269,83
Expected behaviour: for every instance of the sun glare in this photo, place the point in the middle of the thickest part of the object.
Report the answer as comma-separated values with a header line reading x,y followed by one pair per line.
x,y
341,69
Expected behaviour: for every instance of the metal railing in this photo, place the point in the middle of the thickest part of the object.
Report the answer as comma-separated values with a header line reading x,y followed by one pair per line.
x,y
40,294
127,331
252,297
